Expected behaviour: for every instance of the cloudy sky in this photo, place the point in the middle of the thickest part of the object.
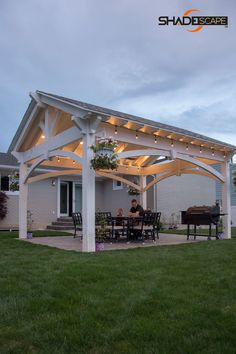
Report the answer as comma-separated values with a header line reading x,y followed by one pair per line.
x,y
114,54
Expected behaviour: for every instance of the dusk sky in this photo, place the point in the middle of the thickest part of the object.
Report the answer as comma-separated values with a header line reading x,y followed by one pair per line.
x,y
114,54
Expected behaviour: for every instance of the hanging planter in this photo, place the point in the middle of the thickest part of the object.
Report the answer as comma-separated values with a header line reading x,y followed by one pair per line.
x,y
104,156
132,190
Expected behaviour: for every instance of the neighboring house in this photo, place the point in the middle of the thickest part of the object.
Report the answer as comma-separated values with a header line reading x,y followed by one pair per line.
x,y
52,198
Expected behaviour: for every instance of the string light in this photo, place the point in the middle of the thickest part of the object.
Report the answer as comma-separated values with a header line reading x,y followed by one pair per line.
x,y
136,137
58,159
73,162
81,143
43,136
186,147
116,129
224,155
200,149
172,143
213,152
155,139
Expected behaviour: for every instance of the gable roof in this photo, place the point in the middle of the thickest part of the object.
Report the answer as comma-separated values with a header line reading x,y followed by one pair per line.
x,y
7,159
110,112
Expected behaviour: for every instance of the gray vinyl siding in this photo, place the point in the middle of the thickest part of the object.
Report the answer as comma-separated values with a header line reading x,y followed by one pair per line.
x,y
232,186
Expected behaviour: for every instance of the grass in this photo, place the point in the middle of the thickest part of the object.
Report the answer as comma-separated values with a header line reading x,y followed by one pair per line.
x,y
39,233
200,230
158,300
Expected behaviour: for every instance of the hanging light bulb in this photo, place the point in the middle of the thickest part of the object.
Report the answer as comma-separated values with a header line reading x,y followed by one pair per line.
x,y
136,136
155,139
213,152
58,159
224,155
186,147
200,149
73,162
116,130
172,143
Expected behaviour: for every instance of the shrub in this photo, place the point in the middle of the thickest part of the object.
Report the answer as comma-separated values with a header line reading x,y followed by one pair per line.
x,y
3,205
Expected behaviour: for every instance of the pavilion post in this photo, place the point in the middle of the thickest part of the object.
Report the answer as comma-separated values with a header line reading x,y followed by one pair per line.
x,y
88,126
23,201
226,202
88,195
143,195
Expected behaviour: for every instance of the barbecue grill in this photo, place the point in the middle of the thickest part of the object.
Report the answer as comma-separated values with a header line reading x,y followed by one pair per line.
x,y
202,215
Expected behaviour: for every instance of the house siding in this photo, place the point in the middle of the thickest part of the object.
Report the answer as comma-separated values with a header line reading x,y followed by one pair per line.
x,y
178,193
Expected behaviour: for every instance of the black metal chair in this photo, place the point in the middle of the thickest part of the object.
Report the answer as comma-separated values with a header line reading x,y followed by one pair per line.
x,y
148,226
151,225
78,224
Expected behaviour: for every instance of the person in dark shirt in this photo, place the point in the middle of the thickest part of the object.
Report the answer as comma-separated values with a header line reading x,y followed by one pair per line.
x,y
136,209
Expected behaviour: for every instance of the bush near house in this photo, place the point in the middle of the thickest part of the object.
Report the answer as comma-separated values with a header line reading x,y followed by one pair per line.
x,y
3,205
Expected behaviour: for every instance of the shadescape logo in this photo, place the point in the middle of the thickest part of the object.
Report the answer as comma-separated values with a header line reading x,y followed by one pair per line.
x,y
197,21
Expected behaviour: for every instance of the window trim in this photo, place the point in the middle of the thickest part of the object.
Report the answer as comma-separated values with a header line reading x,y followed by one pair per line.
x,y
115,187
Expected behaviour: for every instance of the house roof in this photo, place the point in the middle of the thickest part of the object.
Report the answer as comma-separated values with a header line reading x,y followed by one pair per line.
x,y
7,159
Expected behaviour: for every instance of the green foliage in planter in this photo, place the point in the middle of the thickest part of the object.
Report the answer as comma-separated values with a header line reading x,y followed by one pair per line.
x,y
3,205
104,162
101,223
109,144
133,191
104,156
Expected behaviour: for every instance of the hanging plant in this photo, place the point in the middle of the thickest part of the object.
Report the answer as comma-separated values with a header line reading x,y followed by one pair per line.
x,y
104,156
14,182
132,190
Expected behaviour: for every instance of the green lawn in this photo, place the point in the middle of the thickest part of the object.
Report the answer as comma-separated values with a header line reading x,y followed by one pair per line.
x,y
158,300
200,230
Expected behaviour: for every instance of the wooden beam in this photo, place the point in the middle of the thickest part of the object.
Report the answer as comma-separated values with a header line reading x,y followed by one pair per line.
x,y
58,141
118,178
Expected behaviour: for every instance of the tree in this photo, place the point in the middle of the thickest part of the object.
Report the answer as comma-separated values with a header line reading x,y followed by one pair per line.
x,y
3,205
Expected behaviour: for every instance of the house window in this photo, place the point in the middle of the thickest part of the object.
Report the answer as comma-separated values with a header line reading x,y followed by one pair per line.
x,y
117,185
4,183
9,183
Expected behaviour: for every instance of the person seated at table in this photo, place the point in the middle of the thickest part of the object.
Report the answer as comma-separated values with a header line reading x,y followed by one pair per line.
x,y
136,209
120,212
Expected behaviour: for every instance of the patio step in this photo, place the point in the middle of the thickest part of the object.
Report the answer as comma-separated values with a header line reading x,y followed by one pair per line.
x,y
62,223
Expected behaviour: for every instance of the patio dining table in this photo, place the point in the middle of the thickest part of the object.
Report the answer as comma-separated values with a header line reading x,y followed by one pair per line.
x,y
124,225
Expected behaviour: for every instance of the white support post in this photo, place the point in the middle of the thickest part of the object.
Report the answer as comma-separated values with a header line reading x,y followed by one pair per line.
x,y
226,202
23,201
88,195
88,126
143,196
155,194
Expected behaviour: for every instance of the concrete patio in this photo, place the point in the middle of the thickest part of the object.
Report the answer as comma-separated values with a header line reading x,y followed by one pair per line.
x,y
69,243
